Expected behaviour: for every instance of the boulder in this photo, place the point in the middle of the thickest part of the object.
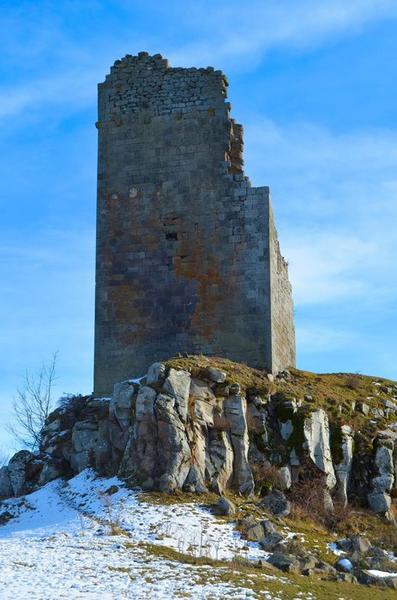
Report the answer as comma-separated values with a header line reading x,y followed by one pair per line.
x,y
215,375
224,507
285,562
270,541
360,544
277,503
344,565
255,533
155,374
49,472
316,433
17,471
5,483
379,502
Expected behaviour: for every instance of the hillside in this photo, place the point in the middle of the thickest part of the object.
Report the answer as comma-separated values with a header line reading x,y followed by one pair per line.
x,y
235,481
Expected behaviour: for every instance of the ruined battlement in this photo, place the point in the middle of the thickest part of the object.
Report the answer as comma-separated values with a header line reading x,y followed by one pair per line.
x,y
187,252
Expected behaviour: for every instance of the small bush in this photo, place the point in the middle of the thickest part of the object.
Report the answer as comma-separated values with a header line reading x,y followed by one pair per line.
x,y
266,477
72,404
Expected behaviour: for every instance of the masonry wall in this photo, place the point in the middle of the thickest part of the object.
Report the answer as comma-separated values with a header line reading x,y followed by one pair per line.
x,y
281,308
183,261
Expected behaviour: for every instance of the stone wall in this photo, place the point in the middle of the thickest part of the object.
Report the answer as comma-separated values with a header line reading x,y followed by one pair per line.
x,y
282,308
183,249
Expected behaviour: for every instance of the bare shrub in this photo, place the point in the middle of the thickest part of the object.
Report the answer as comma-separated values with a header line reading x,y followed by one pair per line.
x,y
266,477
32,406
353,382
72,404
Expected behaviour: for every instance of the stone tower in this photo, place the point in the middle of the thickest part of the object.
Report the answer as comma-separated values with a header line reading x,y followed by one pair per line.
x,y
187,252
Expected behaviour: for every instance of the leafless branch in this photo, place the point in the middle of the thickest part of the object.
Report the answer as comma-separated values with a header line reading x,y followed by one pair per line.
x,y
32,405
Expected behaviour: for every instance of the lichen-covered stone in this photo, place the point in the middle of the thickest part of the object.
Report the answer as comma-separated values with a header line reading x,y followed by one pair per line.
x,y
317,437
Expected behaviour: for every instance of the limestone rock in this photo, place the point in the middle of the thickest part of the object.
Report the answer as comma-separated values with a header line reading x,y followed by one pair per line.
x,y
276,503
316,433
235,410
17,471
5,483
177,385
121,403
91,448
216,375
155,374
140,456
219,461
174,452
379,498
285,562
284,478
344,467
50,471
224,507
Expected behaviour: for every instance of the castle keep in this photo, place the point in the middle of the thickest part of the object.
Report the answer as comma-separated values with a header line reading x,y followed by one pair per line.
x,y
187,252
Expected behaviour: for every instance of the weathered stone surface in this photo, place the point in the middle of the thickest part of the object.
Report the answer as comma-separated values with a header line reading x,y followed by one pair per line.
x,y
219,461
216,375
285,562
91,447
140,456
286,429
177,385
270,541
284,478
277,503
235,410
379,497
121,403
164,261
344,467
155,374
49,472
224,507
17,471
5,483
174,452
316,432
379,502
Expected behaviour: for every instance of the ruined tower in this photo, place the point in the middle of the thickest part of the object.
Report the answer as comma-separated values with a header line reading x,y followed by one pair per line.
x,y
187,252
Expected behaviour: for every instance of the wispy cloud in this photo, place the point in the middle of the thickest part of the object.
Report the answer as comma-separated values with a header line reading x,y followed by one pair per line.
x,y
63,69
245,32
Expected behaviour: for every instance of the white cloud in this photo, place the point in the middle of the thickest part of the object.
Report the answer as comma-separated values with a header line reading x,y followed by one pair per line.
x,y
64,68
245,32
335,198
317,338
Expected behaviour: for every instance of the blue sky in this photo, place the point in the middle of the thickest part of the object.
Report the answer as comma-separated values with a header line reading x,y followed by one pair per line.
x,y
313,81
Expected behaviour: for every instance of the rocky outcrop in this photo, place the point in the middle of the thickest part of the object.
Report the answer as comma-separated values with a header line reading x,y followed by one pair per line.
x,y
379,497
198,432
344,466
317,443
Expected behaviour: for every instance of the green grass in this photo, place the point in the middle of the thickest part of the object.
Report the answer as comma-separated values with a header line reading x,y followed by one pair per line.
x,y
264,577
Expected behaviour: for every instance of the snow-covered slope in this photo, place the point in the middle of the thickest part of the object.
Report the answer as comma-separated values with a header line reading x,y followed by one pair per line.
x,y
75,539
